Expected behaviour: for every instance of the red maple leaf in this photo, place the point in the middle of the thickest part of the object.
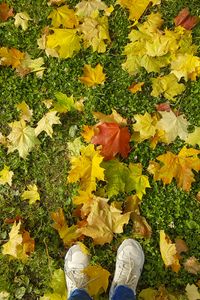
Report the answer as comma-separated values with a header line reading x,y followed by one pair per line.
x,y
5,12
113,138
185,20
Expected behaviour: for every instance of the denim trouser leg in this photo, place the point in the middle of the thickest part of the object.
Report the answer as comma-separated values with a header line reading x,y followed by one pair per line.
x,y
123,292
79,294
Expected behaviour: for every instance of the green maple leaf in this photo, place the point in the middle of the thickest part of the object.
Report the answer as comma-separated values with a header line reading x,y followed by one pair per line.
x,y
116,174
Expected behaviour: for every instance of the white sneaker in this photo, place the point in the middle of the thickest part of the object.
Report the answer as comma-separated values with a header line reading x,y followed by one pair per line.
x,y
75,262
129,264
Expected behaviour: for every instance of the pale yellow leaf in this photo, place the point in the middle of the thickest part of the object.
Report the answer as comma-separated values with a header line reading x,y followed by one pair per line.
x,y
192,292
21,138
194,137
21,19
87,8
15,239
25,112
168,252
47,122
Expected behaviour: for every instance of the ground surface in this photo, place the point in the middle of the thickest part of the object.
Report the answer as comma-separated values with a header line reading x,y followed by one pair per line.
x,y
48,164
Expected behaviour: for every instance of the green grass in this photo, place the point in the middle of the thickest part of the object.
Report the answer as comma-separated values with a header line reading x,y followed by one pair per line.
x,y
48,164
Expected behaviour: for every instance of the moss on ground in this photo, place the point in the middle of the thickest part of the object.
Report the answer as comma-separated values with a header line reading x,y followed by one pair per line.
x,y
167,208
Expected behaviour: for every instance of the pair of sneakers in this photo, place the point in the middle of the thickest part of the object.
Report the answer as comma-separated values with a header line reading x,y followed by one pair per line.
x,y
129,264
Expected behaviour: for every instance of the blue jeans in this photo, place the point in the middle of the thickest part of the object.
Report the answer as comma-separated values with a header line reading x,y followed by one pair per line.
x,y
121,293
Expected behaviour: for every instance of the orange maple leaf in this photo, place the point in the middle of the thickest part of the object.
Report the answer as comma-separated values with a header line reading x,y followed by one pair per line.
x,y
5,12
10,57
176,166
113,138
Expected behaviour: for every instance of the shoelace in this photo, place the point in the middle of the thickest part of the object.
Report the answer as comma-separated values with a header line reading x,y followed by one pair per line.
x,y
126,275
79,279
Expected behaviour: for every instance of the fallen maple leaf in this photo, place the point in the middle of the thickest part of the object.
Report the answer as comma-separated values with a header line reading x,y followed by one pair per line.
x,y
163,107
114,117
98,279
87,133
21,138
31,194
145,126
89,8
55,2
185,20
135,87
25,112
167,86
194,137
67,234
181,246
192,292
113,138
104,220
169,252
173,126
136,7
87,169
46,123
58,285
5,12
140,226
63,103
10,57
176,166
21,19
19,245
6,175
93,76
64,41
74,147
64,16
29,65
186,66
95,33
192,265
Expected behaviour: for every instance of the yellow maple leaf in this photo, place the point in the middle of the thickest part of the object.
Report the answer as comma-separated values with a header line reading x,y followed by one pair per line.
x,y
25,112
104,220
194,137
10,57
136,7
46,123
87,133
114,117
31,194
168,86
176,166
186,66
64,41
19,245
173,126
145,125
86,168
29,65
15,239
168,252
21,138
21,19
64,16
6,175
95,33
93,76
98,279
66,233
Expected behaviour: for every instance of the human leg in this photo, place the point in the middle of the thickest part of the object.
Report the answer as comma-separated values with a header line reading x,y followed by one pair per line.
x,y
129,264
76,280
